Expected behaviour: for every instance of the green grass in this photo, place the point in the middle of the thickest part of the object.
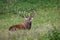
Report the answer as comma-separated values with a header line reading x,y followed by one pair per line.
x,y
42,24
45,25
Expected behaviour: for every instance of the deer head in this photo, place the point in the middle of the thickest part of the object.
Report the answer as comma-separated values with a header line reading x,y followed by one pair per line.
x,y
28,17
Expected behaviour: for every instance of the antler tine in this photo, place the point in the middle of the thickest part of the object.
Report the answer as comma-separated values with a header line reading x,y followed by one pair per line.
x,y
21,14
32,14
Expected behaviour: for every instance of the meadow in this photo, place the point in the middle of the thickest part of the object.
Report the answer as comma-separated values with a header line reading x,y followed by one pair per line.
x,y
45,24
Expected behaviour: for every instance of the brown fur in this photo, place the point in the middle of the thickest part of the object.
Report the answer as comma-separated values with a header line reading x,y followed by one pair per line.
x,y
15,27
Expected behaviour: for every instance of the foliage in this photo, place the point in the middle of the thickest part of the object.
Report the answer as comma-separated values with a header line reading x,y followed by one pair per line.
x,y
53,35
14,6
47,13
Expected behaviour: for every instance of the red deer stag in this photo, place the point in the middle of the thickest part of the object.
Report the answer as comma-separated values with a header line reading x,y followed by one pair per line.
x,y
25,25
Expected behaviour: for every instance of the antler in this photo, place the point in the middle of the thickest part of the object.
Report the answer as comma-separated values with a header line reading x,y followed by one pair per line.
x,y
32,14
22,15
27,16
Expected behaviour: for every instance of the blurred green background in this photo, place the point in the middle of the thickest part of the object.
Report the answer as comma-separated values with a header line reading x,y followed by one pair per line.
x,y
45,25
13,6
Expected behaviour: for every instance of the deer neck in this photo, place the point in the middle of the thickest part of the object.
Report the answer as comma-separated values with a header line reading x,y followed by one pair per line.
x,y
28,25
